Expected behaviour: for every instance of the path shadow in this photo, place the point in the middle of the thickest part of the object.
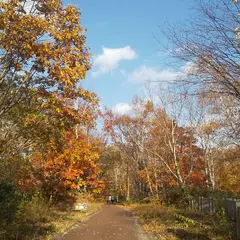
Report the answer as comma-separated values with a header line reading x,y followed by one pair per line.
x,y
184,235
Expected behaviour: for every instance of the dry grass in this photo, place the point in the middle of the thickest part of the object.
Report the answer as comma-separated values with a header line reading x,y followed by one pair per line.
x,y
169,223
66,217
40,220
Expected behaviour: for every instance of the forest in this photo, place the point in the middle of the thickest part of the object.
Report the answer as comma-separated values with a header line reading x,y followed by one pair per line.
x,y
180,141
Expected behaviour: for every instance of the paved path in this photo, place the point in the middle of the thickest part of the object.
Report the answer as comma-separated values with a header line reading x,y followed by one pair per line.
x,y
111,222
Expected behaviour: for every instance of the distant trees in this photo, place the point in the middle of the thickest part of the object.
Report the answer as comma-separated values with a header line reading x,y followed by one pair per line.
x,y
159,152
113,171
174,144
208,45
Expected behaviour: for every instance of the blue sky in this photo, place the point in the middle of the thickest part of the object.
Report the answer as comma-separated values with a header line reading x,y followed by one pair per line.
x,y
125,52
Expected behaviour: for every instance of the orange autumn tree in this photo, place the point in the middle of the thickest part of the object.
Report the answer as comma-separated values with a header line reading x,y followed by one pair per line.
x,y
43,58
74,168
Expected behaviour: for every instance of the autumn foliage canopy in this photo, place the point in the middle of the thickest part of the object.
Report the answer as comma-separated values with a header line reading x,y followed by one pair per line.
x,y
45,116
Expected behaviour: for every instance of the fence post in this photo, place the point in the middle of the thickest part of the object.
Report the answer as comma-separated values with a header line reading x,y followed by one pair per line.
x,y
213,203
210,205
200,203
238,219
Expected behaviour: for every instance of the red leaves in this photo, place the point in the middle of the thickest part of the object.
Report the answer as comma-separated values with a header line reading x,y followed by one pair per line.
x,y
73,168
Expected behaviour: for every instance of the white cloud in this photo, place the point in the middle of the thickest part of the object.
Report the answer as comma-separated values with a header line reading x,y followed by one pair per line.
x,y
189,68
122,109
110,58
145,73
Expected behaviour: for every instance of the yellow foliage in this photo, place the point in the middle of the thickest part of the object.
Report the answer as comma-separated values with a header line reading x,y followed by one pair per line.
x,y
48,41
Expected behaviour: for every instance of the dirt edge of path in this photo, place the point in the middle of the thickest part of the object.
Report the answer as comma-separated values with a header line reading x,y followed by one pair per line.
x,y
142,235
59,236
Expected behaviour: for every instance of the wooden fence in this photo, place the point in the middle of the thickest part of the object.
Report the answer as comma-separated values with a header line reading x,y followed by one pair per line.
x,y
210,205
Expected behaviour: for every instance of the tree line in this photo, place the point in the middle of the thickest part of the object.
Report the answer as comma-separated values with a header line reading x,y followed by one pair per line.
x,y
183,135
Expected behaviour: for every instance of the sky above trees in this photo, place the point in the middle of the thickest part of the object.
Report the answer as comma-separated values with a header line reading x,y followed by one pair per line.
x,y
123,37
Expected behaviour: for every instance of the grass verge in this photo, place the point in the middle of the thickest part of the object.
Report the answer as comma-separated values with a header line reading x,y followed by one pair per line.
x,y
65,217
39,220
169,223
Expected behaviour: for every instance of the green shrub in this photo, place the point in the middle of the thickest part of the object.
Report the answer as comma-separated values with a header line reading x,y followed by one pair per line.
x,y
22,217
33,219
179,196
10,200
